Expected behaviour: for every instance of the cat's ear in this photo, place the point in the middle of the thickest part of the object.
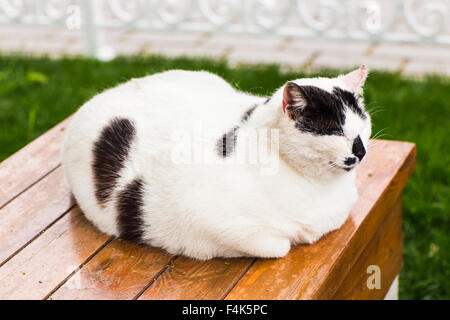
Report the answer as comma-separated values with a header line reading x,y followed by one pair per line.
x,y
354,81
293,96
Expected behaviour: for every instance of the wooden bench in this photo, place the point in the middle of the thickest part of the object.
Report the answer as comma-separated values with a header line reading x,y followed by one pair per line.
x,y
48,250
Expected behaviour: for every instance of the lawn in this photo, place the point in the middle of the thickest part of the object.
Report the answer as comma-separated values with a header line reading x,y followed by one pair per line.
x,y
37,93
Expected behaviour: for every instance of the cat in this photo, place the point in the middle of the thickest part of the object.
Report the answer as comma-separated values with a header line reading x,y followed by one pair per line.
x,y
118,158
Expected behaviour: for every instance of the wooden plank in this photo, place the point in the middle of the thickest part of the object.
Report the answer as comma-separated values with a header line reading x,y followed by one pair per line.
x,y
316,271
385,251
72,241
374,178
193,279
46,262
28,165
25,217
379,201
121,270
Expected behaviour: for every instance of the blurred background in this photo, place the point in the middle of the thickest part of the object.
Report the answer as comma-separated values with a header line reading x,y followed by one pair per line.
x,y
56,54
409,36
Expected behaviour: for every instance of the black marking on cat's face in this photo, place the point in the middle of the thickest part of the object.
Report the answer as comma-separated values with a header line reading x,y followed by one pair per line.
x,y
323,113
227,144
320,112
110,153
349,99
130,204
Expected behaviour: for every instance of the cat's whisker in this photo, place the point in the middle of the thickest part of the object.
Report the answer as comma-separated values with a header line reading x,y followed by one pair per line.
x,y
383,135
372,113
328,165
381,130
378,134
370,109
373,144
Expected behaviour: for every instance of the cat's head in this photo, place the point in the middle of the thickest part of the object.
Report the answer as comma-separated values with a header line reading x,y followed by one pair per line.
x,y
324,126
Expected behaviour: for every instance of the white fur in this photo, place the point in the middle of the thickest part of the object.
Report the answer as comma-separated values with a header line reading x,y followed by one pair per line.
x,y
205,211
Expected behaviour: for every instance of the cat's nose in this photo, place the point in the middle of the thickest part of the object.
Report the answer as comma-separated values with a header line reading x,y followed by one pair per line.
x,y
350,161
358,148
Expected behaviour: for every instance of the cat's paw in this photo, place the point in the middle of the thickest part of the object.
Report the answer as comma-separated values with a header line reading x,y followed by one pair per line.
x,y
268,247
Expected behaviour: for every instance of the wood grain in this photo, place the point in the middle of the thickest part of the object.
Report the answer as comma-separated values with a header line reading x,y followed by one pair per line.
x,y
192,279
47,261
28,215
119,271
378,203
71,259
384,250
308,269
31,163
317,271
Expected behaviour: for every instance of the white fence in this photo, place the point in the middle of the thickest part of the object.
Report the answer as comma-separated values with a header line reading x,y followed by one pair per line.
x,y
414,21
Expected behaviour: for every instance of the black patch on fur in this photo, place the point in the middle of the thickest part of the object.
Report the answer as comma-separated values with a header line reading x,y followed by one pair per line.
x,y
248,113
130,204
267,100
227,144
110,153
349,99
323,113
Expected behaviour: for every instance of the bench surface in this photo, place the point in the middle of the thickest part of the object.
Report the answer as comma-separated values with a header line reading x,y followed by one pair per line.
x,y
48,250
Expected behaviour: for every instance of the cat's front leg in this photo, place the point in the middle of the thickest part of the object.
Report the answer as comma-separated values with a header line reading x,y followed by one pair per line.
x,y
265,246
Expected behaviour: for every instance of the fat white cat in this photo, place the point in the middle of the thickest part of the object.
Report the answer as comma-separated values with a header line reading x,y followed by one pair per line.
x,y
119,158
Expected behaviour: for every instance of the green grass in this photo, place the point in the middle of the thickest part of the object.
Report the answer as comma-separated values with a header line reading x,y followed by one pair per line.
x,y
37,93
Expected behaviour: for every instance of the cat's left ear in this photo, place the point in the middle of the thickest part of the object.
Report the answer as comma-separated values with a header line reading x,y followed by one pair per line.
x,y
293,96
354,81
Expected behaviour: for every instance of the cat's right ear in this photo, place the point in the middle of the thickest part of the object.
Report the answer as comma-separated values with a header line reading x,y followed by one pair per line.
x,y
293,97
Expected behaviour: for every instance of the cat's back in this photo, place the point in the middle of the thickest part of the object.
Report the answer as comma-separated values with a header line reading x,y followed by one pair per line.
x,y
158,107
172,99
126,133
